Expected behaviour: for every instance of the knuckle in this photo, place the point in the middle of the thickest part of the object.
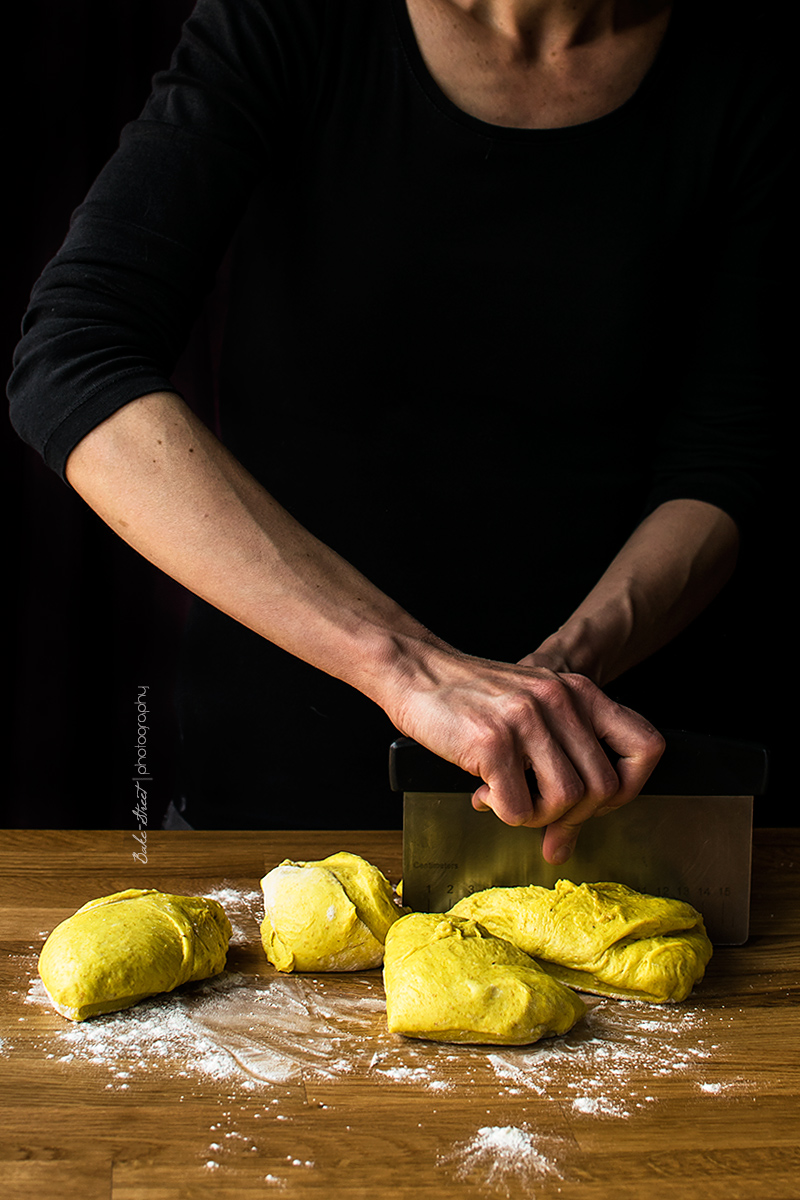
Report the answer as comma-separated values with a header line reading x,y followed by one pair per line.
x,y
551,691
491,745
489,738
571,792
520,708
580,683
608,783
608,790
515,818
654,745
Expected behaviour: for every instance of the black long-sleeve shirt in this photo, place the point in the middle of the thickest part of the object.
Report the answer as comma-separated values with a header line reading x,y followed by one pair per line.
x,y
468,357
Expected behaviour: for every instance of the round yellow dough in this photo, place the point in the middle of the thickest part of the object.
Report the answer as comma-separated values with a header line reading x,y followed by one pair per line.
x,y
449,980
600,937
329,915
119,949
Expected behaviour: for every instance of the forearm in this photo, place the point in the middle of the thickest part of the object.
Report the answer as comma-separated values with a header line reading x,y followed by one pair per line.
x,y
670,568
166,485
161,480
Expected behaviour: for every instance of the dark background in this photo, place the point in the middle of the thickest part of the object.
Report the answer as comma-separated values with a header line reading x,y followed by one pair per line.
x,y
93,621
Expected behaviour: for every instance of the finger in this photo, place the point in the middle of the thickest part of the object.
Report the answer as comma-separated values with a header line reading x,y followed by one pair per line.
x,y
478,799
559,783
644,745
637,742
559,842
560,837
501,759
567,758
600,783
509,797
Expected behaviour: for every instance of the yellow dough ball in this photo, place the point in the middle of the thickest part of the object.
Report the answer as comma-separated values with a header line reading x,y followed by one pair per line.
x,y
449,980
119,949
330,915
600,937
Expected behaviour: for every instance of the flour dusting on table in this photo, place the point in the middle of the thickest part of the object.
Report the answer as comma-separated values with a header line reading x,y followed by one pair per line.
x,y
243,1029
242,908
264,1036
604,1066
500,1155
257,1032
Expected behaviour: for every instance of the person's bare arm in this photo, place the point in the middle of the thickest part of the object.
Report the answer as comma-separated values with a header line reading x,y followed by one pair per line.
x,y
165,484
670,568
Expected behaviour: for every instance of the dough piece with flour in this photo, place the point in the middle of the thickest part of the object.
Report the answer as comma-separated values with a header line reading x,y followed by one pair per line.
x,y
449,980
600,937
119,949
330,915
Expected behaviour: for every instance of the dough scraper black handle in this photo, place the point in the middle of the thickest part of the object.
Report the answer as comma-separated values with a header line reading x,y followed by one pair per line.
x,y
693,764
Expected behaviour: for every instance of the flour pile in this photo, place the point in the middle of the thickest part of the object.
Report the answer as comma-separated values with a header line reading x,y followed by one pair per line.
x,y
499,1155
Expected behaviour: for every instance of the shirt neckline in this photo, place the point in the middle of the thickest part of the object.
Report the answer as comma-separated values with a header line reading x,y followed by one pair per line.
x,y
504,133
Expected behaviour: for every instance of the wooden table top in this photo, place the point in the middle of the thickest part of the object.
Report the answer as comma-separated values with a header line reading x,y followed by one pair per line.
x,y
258,1083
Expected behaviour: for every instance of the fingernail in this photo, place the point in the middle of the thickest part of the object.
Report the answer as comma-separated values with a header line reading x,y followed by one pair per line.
x,y
560,855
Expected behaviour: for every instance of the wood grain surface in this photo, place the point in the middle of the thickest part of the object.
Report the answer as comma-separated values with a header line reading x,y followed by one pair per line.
x,y
257,1084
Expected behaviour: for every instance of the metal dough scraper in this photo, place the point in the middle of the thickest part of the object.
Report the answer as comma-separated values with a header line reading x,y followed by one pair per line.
x,y
690,837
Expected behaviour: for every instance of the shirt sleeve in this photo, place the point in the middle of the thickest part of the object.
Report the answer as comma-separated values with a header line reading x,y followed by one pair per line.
x,y
719,442
111,313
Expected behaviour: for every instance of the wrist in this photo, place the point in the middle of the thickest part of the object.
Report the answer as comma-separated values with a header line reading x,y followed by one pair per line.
x,y
575,649
394,661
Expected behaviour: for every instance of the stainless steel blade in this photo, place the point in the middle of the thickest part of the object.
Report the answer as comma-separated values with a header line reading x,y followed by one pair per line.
x,y
694,848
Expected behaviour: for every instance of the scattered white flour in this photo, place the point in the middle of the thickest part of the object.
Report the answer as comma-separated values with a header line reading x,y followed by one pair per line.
x,y
258,1032
245,1029
243,908
605,1066
500,1155
714,1089
598,1106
